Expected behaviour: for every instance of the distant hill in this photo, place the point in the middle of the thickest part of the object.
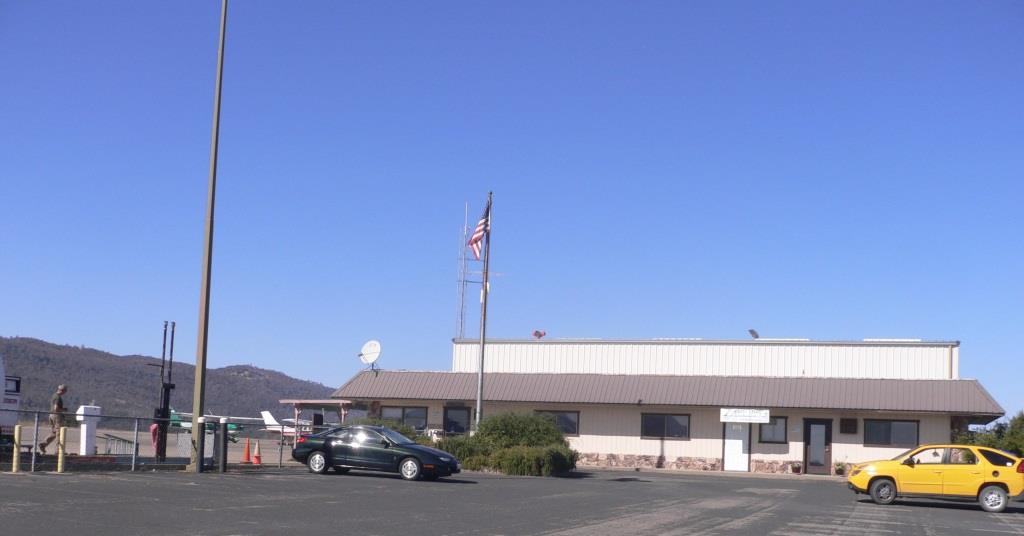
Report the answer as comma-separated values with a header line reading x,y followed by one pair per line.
x,y
126,385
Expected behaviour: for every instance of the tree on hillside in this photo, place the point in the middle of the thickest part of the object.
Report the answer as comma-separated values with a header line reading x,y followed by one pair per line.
x,y
1013,437
1003,435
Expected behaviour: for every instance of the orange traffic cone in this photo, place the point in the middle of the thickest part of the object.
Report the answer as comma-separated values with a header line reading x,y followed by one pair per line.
x,y
245,455
257,459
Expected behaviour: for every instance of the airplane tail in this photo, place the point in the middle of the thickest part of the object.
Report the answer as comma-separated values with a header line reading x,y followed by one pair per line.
x,y
269,419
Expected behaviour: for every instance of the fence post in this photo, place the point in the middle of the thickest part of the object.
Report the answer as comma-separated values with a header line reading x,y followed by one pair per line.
x,y
15,459
60,448
35,443
199,439
135,444
222,446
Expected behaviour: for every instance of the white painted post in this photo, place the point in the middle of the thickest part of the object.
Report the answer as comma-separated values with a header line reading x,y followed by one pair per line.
x,y
89,417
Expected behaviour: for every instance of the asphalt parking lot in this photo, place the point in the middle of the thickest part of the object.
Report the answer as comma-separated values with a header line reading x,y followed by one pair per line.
x,y
599,502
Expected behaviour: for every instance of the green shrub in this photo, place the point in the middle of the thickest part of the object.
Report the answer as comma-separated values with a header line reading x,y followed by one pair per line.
x,y
533,461
475,463
518,460
559,459
516,429
465,447
514,444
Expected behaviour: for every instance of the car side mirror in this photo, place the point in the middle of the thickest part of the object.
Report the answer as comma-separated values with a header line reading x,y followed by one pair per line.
x,y
909,461
385,442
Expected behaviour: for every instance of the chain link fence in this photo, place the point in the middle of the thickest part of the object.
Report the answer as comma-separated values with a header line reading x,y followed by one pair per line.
x,y
120,443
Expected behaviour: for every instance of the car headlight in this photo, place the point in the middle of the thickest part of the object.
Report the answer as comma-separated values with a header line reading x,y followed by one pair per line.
x,y
444,459
855,472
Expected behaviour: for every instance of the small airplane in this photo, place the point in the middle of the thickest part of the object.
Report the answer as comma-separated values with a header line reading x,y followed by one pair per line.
x,y
184,420
272,425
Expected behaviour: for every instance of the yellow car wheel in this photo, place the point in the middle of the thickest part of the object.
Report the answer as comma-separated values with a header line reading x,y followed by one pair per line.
x,y
992,499
883,491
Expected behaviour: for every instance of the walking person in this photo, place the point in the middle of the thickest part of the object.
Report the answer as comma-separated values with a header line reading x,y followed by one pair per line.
x,y
56,416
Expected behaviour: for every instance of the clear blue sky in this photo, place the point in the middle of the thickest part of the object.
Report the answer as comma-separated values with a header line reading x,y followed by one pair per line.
x,y
831,170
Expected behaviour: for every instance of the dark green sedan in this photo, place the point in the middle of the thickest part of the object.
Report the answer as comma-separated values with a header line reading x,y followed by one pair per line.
x,y
373,448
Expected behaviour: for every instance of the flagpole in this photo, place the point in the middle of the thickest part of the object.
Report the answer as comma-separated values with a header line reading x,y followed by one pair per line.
x,y
483,315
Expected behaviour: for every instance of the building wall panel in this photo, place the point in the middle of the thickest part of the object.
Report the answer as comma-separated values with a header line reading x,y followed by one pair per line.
x,y
834,360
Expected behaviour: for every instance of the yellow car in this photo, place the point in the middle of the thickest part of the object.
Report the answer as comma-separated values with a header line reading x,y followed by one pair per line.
x,y
990,476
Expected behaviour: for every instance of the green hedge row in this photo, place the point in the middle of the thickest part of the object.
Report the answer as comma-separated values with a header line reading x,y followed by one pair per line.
x,y
534,461
514,444
523,461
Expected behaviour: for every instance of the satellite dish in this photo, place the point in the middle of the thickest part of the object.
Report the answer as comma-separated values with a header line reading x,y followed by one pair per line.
x,y
370,352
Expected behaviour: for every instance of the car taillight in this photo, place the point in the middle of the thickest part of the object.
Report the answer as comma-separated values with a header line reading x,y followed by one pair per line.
x,y
1020,467
301,439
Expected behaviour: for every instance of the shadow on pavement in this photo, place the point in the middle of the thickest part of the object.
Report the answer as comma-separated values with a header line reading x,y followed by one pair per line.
x,y
1012,508
391,476
575,474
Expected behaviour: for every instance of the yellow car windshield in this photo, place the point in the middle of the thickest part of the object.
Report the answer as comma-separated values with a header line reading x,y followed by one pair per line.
x,y
902,454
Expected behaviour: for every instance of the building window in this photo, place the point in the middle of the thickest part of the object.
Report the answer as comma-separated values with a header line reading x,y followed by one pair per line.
x,y
847,426
891,433
661,426
566,421
456,420
774,431
415,418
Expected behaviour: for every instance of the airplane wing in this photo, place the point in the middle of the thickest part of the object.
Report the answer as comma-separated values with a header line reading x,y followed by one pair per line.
x,y
216,418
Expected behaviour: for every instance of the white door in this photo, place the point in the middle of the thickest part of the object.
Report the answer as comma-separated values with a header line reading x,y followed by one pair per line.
x,y
737,446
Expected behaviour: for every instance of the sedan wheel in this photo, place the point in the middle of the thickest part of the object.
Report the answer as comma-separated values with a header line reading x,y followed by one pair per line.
x,y
410,469
992,499
317,463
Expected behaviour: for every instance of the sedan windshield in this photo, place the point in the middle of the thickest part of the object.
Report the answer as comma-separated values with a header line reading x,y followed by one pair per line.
x,y
395,437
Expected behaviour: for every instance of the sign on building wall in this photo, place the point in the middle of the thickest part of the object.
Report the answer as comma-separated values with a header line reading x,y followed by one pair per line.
x,y
744,415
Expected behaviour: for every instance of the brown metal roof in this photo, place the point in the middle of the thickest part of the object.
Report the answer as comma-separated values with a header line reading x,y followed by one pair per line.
x,y
963,397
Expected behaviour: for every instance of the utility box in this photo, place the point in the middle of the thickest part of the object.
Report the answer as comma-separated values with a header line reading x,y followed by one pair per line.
x,y
89,417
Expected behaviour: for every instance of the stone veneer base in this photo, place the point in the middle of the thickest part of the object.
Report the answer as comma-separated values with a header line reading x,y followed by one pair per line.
x,y
640,461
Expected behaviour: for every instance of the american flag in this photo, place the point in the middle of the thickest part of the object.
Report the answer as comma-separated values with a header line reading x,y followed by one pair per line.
x,y
482,227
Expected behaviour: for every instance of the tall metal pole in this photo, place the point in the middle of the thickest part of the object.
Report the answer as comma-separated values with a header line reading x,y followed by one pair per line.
x,y
162,412
483,313
163,354
170,363
199,392
460,320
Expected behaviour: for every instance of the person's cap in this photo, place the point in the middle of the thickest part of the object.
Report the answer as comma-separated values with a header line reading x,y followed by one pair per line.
x,y
62,387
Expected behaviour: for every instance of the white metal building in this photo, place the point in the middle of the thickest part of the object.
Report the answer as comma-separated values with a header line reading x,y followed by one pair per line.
x,y
749,405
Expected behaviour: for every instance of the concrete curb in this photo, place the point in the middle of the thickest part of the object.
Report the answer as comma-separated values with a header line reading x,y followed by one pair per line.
x,y
723,474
